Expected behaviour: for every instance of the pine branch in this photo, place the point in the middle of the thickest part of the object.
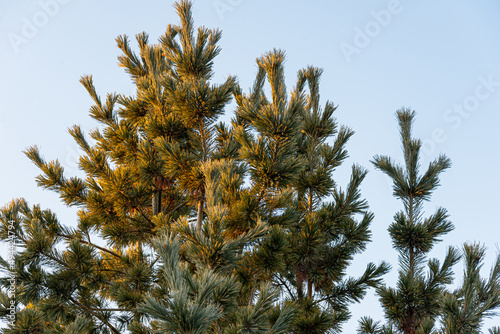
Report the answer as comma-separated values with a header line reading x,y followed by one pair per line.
x,y
103,320
91,244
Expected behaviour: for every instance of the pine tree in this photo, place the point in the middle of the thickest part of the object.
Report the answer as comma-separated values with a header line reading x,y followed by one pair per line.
x,y
413,305
142,171
284,144
189,225
477,298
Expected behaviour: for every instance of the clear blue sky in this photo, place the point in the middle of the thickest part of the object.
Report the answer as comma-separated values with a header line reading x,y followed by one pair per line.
x,y
440,58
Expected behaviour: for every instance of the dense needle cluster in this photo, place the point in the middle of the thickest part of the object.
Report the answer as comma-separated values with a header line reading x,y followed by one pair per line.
x,y
189,225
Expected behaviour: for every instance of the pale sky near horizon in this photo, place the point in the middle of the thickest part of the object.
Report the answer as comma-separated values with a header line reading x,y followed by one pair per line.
x,y
441,58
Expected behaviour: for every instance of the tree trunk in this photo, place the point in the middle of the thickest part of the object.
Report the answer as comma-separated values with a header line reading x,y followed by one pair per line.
x,y
309,288
199,217
300,284
157,195
156,203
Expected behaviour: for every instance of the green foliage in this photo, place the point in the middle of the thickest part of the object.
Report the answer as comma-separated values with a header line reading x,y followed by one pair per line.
x,y
494,330
476,298
187,225
368,326
413,305
283,142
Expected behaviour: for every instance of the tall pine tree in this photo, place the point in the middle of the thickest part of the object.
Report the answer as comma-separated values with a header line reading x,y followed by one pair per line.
x,y
413,305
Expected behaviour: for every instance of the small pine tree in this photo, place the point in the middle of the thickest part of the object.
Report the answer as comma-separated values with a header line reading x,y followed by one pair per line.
x,y
476,298
413,305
